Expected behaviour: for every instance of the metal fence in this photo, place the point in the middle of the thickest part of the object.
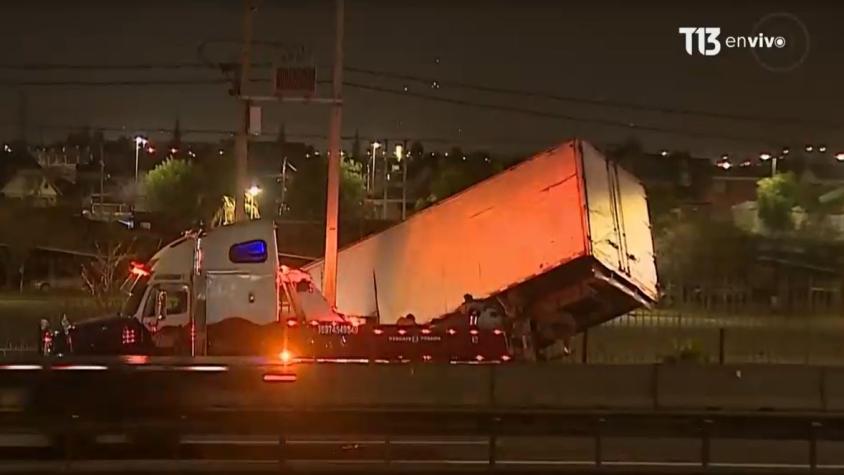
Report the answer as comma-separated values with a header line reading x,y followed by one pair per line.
x,y
660,336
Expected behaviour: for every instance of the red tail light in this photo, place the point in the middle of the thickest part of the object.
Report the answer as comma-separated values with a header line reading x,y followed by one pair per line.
x,y
313,323
378,331
497,331
479,357
292,322
473,331
426,331
505,357
139,269
402,331
452,331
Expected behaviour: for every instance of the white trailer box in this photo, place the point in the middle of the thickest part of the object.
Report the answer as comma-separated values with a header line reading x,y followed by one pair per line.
x,y
566,211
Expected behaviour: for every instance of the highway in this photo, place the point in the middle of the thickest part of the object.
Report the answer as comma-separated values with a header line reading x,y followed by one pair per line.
x,y
221,454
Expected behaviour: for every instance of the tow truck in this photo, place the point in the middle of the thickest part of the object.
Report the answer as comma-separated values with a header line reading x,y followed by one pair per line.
x,y
503,270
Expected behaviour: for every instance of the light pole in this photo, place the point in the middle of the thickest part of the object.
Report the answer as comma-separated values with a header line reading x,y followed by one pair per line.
x,y
139,142
400,156
370,176
767,156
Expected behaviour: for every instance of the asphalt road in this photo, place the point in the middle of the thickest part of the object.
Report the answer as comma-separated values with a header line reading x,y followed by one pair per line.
x,y
30,453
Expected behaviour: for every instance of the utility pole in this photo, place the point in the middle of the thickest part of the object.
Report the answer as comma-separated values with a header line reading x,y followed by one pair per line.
x,y
329,284
241,141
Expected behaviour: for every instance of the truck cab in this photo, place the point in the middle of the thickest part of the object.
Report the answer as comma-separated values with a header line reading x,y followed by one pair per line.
x,y
222,292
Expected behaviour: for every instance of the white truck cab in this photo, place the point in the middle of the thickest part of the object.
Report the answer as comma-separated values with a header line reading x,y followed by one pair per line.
x,y
205,278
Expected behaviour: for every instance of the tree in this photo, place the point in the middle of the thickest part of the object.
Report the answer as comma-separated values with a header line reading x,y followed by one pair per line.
x,y
307,191
102,275
175,189
775,198
457,172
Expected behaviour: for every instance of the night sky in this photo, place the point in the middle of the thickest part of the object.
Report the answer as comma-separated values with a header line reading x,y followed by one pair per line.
x,y
612,52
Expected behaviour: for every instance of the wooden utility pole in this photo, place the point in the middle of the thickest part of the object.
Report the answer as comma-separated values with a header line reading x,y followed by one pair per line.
x,y
329,284
241,141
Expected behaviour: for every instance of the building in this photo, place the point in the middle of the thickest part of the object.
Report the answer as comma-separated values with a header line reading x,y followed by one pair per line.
x,y
33,186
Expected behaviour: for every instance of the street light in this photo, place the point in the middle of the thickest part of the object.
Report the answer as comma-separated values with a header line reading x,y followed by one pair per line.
x,y
139,142
399,152
765,156
371,174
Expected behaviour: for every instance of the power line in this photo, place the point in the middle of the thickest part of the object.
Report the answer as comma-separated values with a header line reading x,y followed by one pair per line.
x,y
107,83
554,115
596,102
418,79
417,95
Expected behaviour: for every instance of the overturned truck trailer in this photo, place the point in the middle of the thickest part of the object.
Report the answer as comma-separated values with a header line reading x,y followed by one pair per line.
x,y
555,244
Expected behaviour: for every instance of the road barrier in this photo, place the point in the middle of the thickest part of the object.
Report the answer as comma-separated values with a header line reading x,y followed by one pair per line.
x,y
173,412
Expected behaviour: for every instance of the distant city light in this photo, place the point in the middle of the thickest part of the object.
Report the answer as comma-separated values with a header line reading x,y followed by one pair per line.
x,y
785,150
822,148
7,148
764,156
809,148
150,149
725,157
173,150
663,152
839,156
724,165
435,85
405,88
220,152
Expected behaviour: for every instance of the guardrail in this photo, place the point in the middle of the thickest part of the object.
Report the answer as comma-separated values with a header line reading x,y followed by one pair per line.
x,y
174,411
236,383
